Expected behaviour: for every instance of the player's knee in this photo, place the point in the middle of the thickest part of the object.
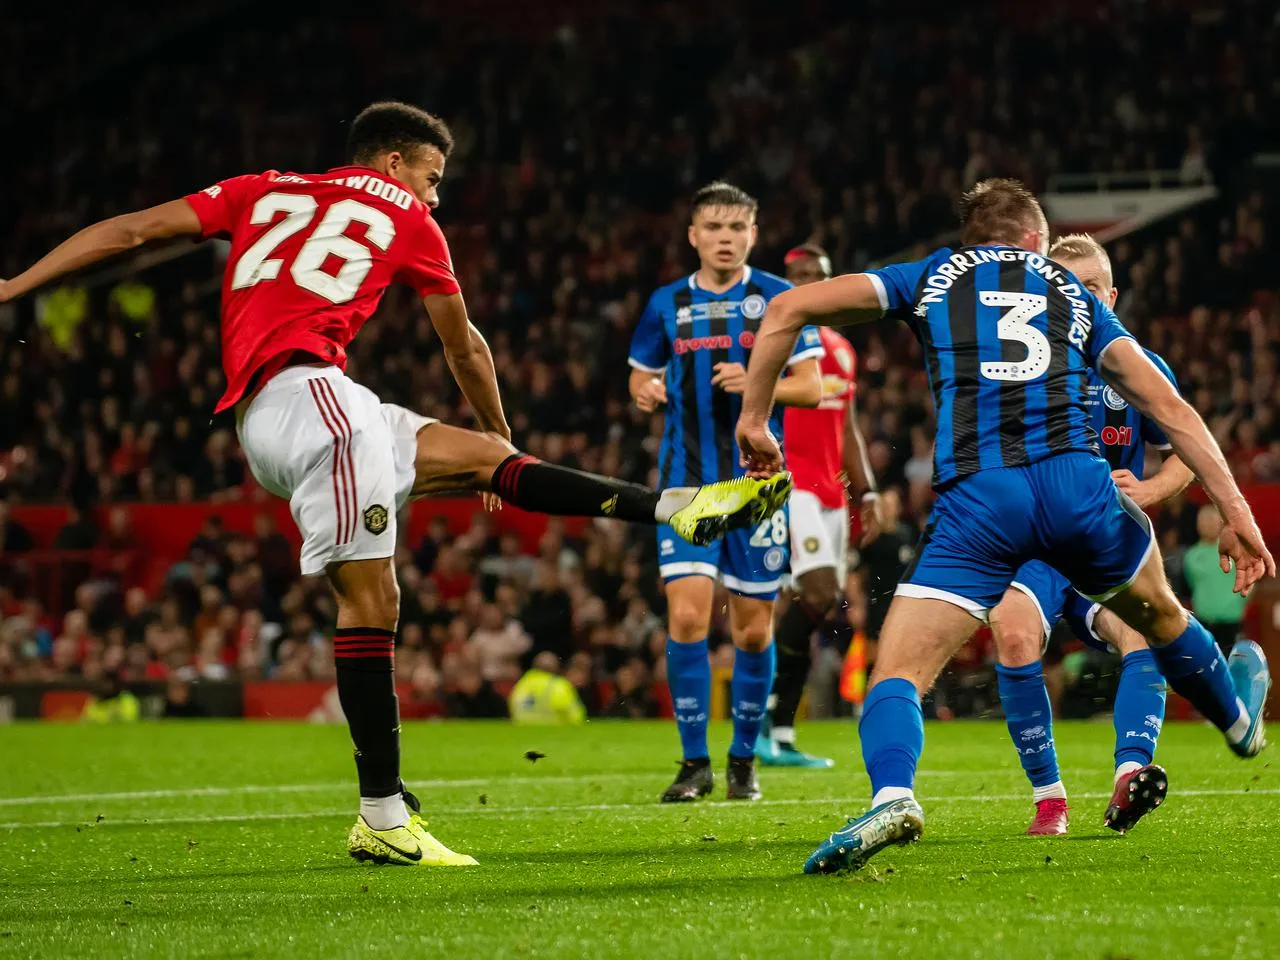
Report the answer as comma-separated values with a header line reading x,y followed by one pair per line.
x,y
1159,618
753,638
1019,635
1124,640
687,620
818,590
374,602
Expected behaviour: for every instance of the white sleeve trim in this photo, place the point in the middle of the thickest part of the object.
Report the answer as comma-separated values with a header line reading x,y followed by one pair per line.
x,y
881,293
1097,363
640,366
813,353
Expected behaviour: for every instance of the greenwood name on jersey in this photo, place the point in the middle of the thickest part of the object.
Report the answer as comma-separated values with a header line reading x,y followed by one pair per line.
x,y
1009,338
683,333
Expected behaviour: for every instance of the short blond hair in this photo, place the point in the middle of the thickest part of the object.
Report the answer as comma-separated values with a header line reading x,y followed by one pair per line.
x,y
1082,246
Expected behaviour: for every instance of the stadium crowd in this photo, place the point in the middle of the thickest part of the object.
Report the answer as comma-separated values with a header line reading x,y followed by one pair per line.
x,y
563,211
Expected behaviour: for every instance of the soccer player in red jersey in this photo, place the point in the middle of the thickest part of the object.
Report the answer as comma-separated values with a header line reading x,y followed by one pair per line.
x,y
827,457
311,255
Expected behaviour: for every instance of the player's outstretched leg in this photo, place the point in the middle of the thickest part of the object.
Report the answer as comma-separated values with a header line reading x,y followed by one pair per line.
x,y
1232,699
389,828
793,638
450,459
918,638
1018,626
1140,785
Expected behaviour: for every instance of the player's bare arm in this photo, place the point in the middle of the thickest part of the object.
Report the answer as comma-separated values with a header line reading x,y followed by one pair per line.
x,y
104,239
1172,478
859,479
468,356
840,301
1139,381
648,389
801,387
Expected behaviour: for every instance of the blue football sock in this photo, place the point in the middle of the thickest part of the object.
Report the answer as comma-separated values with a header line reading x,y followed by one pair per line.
x,y
1197,670
749,689
1030,720
1139,712
892,734
689,677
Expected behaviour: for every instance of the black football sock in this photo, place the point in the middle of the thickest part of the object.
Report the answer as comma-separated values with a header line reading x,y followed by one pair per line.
x,y
367,691
792,635
530,484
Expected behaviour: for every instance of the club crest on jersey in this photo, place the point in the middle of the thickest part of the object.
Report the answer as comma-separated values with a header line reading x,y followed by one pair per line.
x,y
375,519
774,557
1113,400
753,307
810,544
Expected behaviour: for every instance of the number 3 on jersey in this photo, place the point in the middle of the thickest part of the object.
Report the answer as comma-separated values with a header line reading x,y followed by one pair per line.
x,y
772,532
1015,326
327,239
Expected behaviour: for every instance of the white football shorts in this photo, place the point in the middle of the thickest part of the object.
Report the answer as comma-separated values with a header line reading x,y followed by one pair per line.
x,y
819,536
343,459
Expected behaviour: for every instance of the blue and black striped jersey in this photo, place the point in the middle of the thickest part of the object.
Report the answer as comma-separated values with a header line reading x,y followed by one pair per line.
x,y
1009,338
684,332
1123,432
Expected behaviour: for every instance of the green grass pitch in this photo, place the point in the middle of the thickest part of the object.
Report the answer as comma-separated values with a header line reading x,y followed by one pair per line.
x,y
227,840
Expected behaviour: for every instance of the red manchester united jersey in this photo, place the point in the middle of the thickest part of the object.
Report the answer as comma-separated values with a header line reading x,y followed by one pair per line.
x,y
311,255
815,436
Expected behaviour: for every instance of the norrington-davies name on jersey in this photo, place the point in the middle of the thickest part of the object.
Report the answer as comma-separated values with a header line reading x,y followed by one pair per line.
x,y
940,280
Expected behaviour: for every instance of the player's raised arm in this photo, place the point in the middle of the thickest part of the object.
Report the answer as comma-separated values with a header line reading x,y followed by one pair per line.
x,y
468,356
850,299
1127,368
104,239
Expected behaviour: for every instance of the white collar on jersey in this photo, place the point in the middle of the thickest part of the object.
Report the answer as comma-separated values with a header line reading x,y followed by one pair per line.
x,y
746,278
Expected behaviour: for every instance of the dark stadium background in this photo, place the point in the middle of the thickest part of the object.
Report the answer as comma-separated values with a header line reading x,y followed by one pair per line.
x,y
135,549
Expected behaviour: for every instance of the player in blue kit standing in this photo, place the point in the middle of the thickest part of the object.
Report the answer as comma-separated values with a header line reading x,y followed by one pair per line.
x,y
1008,338
689,353
1040,596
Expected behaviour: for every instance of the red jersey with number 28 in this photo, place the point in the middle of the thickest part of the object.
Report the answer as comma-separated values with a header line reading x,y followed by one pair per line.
x,y
815,436
311,255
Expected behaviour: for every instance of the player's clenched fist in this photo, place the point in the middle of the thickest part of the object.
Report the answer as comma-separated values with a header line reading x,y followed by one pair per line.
x,y
730,377
651,394
761,454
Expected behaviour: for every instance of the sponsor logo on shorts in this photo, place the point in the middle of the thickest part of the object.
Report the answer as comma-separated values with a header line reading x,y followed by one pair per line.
x,y
667,547
375,519
753,307
774,557
810,544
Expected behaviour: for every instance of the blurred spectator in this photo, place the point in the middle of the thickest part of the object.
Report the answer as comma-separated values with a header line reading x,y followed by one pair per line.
x,y
548,613
499,642
14,537
178,702
543,696
1213,597
473,696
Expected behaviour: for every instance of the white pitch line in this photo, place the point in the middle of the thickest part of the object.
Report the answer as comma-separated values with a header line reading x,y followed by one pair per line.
x,y
645,807
442,784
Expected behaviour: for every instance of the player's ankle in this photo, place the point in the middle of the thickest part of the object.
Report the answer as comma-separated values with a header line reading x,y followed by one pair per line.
x,y
888,794
1050,791
384,813
1126,768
